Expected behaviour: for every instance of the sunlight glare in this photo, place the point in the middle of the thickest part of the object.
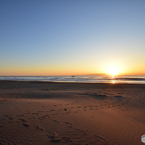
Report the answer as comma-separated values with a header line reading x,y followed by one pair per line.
x,y
113,70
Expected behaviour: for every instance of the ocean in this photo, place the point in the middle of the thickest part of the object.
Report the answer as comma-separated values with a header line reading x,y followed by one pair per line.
x,y
132,79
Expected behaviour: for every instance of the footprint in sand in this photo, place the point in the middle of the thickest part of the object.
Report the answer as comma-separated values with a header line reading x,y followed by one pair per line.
x,y
63,140
55,140
69,124
19,115
23,120
38,127
56,121
98,137
35,113
82,131
25,125
44,117
66,139
65,109
54,137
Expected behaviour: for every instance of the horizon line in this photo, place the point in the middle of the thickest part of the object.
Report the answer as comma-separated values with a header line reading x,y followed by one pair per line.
x,y
69,75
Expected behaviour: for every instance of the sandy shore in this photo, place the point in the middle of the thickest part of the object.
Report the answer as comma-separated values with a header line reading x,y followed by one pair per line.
x,y
71,113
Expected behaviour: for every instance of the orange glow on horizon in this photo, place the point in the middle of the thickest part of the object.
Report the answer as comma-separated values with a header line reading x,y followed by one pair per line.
x,y
113,69
110,69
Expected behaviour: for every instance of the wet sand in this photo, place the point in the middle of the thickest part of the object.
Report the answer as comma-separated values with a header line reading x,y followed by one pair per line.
x,y
71,113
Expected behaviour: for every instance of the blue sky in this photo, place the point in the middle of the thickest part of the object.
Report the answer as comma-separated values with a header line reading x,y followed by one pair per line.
x,y
52,37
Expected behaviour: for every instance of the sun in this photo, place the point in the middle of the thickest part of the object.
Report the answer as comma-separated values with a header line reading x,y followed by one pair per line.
x,y
113,71
113,68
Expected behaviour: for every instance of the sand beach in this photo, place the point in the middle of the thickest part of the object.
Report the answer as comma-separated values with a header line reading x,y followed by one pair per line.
x,y
71,113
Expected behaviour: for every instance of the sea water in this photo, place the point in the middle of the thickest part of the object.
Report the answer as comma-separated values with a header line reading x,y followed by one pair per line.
x,y
133,79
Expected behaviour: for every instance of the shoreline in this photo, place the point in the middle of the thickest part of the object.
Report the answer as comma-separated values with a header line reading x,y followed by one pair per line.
x,y
73,82
132,79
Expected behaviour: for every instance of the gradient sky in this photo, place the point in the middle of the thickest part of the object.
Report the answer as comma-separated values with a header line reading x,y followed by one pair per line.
x,y
70,37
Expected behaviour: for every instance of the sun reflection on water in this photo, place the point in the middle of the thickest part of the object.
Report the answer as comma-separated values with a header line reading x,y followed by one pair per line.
x,y
113,81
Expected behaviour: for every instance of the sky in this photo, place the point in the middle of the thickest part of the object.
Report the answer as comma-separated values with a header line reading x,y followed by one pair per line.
x,y
71,37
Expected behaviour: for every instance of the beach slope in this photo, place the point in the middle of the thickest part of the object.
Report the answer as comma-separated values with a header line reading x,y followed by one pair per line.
x,y
71,113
